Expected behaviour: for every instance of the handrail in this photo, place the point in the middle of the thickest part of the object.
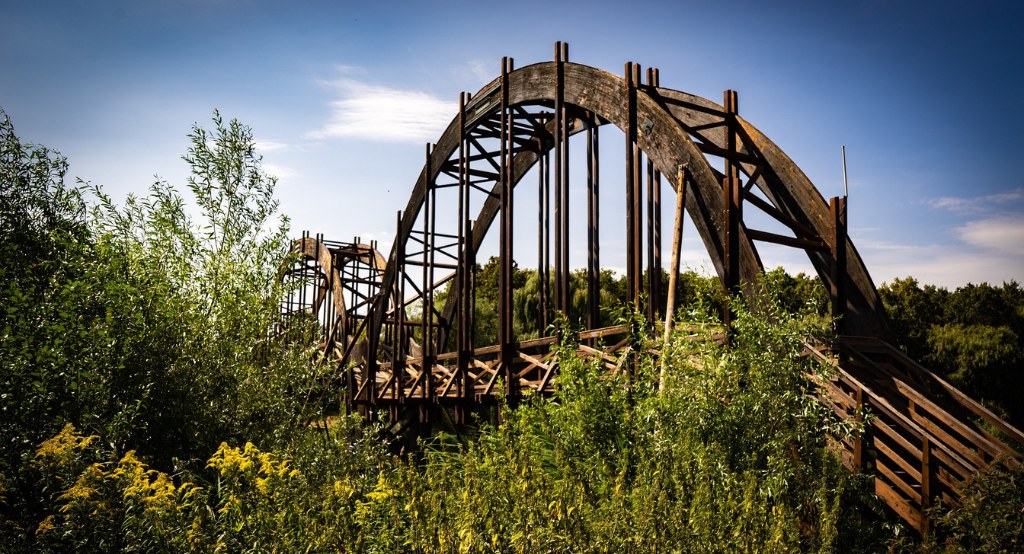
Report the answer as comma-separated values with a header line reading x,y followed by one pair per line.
x,y
922,451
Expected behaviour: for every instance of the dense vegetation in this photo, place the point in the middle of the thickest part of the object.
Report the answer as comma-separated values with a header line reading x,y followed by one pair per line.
x,y
973,336
144,408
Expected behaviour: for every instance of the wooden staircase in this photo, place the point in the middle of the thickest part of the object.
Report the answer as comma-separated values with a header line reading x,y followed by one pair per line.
x,y
923,438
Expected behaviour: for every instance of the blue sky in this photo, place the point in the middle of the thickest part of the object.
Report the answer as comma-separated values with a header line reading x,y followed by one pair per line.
x,y
342,96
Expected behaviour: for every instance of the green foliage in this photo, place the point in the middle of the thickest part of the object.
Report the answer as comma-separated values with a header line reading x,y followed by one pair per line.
x,y
43,226
732,456
144,408
912,309
198,299
137,324
971,336
982,359
991,518
255,501
798,294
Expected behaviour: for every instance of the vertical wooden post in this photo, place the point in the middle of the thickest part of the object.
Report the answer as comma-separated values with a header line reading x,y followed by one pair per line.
x,y
564,282
858,441
561,182
593,235
926,484
403,330
462,281
506,246
653,226
542,302
673,276
634,205
837,209
469,299
731,203
546,274
638,204
431,245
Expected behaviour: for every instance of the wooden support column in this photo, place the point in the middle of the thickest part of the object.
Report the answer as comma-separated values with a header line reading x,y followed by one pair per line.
x,y
634,206
506,247
546,276
393,301
462,277
469,298
593,222
638,196
673,276
542,212
372,341
403,332
926,484
654,292
561,163
732,206
837,208
563,284
432,321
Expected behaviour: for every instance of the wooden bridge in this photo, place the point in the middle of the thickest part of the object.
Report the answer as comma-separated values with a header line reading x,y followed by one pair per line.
x,y
402,327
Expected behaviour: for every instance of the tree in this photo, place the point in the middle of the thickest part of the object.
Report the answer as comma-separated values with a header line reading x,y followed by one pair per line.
x,y
912,309
137,324
43,255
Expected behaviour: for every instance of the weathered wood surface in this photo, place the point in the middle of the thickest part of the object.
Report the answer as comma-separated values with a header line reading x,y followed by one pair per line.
x,y
922,432
922,451
670,119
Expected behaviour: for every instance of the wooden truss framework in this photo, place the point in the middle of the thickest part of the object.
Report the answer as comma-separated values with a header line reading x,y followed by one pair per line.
x,y
522,120
402,327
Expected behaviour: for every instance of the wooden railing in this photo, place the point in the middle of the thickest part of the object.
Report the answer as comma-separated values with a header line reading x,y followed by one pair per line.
x,y
923,438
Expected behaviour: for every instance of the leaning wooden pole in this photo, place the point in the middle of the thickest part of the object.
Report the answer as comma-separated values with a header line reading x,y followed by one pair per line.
x,y
673,275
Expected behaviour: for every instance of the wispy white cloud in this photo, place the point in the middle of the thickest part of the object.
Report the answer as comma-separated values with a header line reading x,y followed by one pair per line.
x,y
377,112
283,173
384,240
266,146
1003,233
482,72
988,244
949,265
978,204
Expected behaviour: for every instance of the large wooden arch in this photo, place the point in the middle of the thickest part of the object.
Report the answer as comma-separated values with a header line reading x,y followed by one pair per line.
x,y
405,351
673,129
412,344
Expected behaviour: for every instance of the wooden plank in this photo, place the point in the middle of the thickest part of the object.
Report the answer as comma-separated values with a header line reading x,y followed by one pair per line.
x,y
534,362
911,449
910,494
493,349
835,392
546,379
534,343
931,409
949,441
966,401
898,504
597,353
604,332
900,461
805,244
952,461
447,356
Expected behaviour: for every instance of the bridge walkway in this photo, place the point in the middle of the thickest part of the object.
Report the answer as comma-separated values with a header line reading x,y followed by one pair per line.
x,y
923,439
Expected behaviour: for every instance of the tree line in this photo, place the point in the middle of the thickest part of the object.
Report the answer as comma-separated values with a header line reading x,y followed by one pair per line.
x,y
972,336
